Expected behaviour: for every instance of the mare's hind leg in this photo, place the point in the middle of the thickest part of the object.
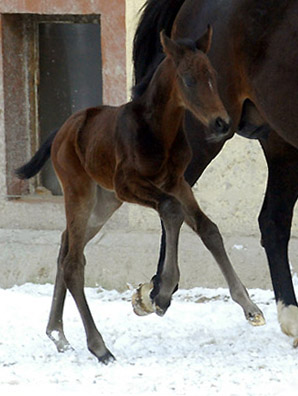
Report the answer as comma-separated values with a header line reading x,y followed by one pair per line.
x,y
275,224
212,239
102,205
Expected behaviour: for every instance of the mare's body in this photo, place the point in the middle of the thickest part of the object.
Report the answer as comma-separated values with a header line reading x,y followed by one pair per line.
x,y
255,55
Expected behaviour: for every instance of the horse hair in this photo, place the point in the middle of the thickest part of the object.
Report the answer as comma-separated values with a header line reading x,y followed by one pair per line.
x,y
160,15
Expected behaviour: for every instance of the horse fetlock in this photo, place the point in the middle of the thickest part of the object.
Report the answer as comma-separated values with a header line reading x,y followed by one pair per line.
x,y
98,349
59,339
252,312
103,356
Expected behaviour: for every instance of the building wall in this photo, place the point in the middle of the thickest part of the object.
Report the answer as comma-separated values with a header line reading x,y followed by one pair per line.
x,y
16,142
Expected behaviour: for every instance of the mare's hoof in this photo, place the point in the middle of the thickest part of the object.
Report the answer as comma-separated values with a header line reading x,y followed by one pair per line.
x,y
256,319
107,358
141,300
295,343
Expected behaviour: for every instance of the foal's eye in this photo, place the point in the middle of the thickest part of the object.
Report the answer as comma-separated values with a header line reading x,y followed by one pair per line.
x,y
189,82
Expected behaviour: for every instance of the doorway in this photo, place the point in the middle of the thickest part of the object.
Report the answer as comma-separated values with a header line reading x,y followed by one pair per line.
x,y
69,78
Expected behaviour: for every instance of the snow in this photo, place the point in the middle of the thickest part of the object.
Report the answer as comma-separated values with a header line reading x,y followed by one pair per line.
x,y
202,346
238,247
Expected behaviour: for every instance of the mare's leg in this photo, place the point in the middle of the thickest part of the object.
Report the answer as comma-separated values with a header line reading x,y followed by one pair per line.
x,y
275,224
212,239
85,219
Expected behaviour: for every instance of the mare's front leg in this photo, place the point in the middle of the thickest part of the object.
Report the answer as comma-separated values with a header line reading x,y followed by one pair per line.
x,y
143,192
211,237
275,224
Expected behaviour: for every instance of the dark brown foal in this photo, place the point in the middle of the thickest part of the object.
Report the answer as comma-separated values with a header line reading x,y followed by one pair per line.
x,y
138,153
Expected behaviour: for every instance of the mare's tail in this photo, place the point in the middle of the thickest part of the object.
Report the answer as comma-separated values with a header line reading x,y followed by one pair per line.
x,y
32,167
147,51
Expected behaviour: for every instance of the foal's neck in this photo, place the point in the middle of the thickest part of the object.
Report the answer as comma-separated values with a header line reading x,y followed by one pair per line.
x,y
163,106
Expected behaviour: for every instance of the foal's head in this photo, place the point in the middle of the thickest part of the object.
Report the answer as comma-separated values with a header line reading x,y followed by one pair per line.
x,y
196,80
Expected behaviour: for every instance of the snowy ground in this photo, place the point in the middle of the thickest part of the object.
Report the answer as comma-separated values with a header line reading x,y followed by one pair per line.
x,y
203,346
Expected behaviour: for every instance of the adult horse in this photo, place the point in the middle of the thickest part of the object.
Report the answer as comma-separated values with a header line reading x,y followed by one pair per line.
x,y
255,53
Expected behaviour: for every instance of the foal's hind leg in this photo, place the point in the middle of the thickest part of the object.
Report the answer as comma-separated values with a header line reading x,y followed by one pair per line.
x,y
212,239
55,324
97,210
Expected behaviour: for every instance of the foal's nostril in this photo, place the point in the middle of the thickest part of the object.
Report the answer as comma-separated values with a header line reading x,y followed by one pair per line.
x,y
221,126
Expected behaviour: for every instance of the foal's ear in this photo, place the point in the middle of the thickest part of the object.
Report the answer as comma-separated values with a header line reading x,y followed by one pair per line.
x,y
170,47
204,42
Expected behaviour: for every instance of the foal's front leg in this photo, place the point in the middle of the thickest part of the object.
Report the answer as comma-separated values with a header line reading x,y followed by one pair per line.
x,y
172,216
143,192
156,297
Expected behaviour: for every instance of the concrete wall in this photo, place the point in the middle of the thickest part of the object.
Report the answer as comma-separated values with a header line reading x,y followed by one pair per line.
x,y
126,251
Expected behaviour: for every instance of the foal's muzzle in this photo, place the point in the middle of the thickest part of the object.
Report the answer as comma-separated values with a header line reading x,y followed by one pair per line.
x,y
219,129
221,126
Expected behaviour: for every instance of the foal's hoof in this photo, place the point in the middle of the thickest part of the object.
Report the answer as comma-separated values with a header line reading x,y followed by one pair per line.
x,y
256,319
107,358
141,300
159,311
295,343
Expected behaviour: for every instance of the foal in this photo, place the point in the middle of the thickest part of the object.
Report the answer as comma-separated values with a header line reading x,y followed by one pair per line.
x,y
137,153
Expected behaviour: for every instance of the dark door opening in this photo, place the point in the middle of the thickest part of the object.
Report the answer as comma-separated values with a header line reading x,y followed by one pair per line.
x,y
70,78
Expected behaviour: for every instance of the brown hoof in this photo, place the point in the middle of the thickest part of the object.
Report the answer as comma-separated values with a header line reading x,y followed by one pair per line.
x,y
141,301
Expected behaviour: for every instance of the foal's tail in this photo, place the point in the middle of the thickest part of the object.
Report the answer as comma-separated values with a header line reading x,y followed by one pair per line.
x,y
32,167
157,15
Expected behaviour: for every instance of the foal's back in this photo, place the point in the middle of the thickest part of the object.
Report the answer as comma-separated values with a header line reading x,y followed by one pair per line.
x,y
86,143
95,140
